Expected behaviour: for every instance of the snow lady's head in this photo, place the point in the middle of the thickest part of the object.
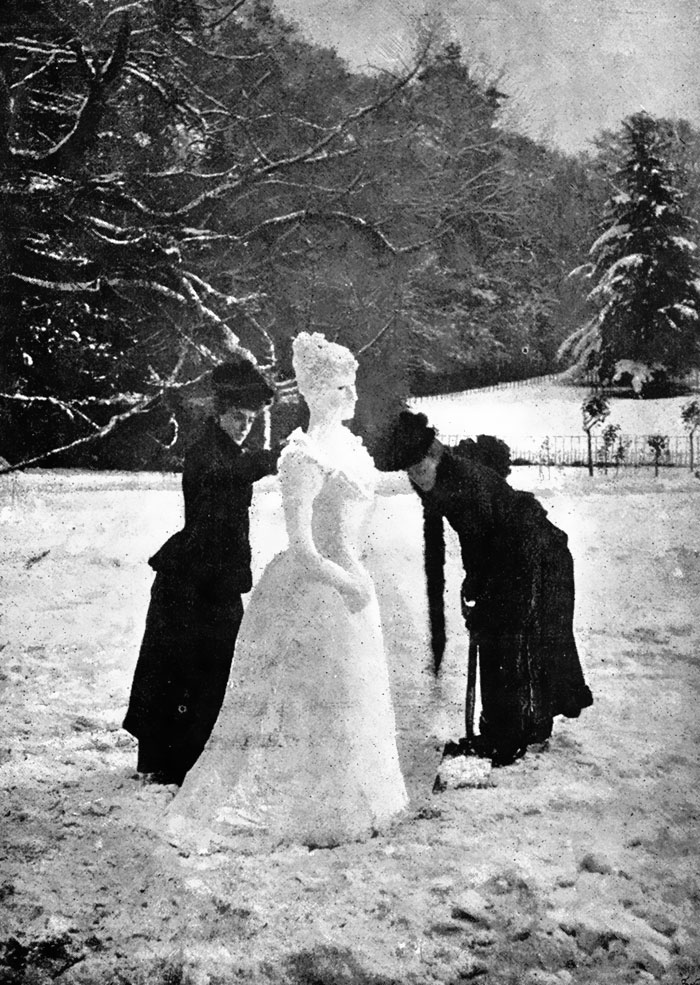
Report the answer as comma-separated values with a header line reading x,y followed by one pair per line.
x,y
325,373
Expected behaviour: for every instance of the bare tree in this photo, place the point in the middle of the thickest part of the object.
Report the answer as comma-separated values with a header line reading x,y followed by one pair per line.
x,y
152,159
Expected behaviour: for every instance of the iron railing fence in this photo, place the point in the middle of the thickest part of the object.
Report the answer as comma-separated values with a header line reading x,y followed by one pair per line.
x,y
572,449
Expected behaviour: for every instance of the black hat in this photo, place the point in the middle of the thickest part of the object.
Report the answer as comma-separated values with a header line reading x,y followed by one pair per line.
x,y
412,439
239,383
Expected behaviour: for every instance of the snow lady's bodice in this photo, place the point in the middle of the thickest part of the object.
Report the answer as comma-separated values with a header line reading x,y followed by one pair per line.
x,y
345,498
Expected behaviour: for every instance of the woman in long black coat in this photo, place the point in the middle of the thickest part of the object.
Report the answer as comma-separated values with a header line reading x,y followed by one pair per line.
x,y
517,594
201,573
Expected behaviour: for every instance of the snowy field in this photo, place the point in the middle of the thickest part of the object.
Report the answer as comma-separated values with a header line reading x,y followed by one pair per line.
x,y
524,416
578,864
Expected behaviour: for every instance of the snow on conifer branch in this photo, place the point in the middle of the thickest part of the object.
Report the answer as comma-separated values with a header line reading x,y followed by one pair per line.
x,y
644,267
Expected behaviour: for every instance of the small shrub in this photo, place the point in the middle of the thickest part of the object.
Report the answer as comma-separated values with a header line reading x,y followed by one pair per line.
x,y
659,446
595,409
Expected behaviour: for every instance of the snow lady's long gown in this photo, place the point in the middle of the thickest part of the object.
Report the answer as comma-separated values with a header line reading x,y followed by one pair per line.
x,y
304,749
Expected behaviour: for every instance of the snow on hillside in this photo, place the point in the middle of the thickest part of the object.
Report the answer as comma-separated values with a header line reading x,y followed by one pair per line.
x,y
534,411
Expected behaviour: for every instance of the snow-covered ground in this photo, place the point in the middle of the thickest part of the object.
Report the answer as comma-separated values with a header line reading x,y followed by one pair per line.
x,y
578,864
530,413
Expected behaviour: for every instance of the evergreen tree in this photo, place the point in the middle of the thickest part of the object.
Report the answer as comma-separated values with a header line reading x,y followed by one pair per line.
x,y
647,292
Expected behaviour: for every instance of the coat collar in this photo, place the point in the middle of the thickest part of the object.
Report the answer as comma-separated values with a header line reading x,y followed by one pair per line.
x,y
224,445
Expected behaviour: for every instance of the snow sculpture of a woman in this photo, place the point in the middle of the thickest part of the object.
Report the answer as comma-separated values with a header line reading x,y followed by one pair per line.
x,y
304,749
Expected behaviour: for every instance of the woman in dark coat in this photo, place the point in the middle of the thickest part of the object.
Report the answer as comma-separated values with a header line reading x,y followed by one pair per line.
x,y
201,573
517,594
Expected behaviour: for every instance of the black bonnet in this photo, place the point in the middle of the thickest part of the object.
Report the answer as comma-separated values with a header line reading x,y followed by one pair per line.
x,y
239,383
412,439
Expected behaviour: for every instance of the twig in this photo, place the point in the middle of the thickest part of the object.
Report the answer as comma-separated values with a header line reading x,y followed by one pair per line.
x,y
385,328
35,558
113,423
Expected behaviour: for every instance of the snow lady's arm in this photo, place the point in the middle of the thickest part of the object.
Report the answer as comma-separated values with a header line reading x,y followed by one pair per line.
x,y
392,484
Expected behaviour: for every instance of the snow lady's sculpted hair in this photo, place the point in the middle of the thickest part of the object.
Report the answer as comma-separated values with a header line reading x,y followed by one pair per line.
x,y
320,364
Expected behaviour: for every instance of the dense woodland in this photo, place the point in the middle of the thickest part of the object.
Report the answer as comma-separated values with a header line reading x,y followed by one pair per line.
x,y
181,178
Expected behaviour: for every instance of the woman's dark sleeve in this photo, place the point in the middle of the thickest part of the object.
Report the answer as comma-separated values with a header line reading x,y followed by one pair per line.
x,y
255,464
434,564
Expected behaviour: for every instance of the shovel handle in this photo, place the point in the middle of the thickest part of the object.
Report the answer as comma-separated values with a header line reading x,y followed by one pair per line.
x,y
470,700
